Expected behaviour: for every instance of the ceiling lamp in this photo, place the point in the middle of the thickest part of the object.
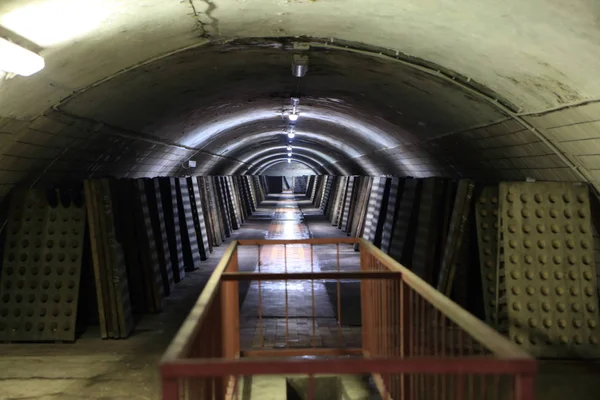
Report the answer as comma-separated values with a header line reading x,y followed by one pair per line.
x,y
289,148
18,60
289,154
299,65
293,116
289,160
291,132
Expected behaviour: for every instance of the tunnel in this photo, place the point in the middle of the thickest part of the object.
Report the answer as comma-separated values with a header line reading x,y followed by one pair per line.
x,y
160,132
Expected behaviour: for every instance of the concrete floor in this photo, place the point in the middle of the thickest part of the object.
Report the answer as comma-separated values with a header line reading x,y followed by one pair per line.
x,y
127,369
92,368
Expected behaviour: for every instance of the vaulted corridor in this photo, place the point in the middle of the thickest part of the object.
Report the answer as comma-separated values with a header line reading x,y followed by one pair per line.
x,y
454,143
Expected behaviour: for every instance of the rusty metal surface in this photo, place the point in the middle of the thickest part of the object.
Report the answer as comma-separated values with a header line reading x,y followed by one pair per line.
x,y
326,192
486,215
196,204
331,203
149,256
339,200
187,230
403,234
317,190
42,266
396,189
232,201
374,208
359,200
244,196
550,282
110,271
213,214
347,204
299,184
311,187
159,229
454,242
124,209
221,197
168,192
427,233
252,190
402,319
361,209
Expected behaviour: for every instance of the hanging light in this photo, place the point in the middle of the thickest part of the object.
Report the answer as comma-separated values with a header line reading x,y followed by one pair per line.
x,y
289,160
291,132
293,116
289,148
299,65
289,154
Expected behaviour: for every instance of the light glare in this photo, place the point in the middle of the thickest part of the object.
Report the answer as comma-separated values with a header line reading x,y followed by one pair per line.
x,y
19,60
57,21
289,154
293,116
291,135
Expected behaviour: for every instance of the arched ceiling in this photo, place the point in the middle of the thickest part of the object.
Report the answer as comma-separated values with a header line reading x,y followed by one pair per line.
x,y
475,88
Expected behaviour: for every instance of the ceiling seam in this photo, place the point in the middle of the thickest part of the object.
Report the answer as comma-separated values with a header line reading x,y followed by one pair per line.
x,y
125,133
472,128
562,107
577,169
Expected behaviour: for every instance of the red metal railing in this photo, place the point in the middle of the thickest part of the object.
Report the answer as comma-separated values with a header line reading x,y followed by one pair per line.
x,y
414,342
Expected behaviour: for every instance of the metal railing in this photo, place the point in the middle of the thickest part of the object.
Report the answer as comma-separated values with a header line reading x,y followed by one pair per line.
x,y
413,342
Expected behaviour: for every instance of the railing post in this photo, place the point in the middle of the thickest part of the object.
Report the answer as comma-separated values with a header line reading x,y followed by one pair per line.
x,y
230,312
170,389
365,302
524,387
406,308
230,321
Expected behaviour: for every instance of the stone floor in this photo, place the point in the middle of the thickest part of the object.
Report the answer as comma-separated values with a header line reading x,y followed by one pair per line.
x,y
127,369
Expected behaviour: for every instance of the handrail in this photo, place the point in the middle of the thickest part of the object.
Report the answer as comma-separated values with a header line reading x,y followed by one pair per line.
x,y
206,358
351,366
493,340
269,242
197,316
295,276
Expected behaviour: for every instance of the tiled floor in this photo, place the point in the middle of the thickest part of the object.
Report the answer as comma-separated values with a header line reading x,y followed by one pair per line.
x,y
311,317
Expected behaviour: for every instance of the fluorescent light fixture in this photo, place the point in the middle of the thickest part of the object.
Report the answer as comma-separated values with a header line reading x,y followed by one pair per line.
x,y
291,135
289,154
293,117
19,60
51,22
289,148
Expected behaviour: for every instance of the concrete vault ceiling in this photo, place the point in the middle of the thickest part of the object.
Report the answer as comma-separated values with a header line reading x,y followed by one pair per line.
x,y
485,89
